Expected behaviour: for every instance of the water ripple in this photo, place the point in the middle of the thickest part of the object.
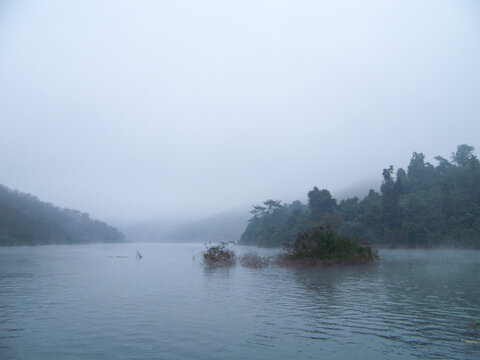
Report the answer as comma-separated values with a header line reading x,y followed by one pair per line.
x,y
82,302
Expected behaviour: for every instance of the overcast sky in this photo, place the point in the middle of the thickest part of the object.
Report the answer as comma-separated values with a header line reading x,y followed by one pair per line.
x,y
136,109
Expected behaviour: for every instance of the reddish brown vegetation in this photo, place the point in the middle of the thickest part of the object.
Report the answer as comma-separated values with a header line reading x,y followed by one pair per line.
x,y
220,254
254,261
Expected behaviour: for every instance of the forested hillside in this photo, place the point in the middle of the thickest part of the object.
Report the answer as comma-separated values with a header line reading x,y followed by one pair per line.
x,y
423,206
25,220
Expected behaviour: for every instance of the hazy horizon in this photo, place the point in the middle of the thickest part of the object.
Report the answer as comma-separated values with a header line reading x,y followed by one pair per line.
x,y
131,111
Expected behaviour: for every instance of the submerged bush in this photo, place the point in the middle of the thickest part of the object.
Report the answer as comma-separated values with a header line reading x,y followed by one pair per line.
x,y
220,254
323,246
254,261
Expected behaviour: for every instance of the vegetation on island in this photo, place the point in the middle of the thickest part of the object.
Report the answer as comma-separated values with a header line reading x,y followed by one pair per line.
x,y
219,254
318,246
323,246
422,206
25,220
253,260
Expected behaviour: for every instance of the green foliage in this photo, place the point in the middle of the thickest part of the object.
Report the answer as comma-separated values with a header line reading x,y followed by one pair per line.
x,y
322,243
25,220
425,206
320,202
464,155
281,224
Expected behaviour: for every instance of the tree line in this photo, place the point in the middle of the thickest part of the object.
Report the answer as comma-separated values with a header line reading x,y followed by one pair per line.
x,y
422,206
25,220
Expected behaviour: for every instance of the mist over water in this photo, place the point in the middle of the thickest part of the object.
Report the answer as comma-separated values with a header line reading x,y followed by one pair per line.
x,y
98,301
165,121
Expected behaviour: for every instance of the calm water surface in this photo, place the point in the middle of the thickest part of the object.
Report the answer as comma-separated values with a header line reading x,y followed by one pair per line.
x,y
99,302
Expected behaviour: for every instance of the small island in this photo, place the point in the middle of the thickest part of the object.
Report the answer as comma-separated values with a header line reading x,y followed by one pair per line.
x,y
220,254
318,246
323,246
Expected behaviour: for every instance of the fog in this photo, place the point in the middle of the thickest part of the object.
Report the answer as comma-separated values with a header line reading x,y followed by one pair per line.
x,y
132,110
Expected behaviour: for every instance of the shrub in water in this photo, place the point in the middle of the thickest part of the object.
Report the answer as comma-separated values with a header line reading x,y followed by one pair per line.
x,y
254,261
220,254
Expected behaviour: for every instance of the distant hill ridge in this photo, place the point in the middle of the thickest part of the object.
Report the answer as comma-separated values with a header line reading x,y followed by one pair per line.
x,y
25,220
225,226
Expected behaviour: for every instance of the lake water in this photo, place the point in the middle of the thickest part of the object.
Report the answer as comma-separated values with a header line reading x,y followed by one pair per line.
x,y
90,302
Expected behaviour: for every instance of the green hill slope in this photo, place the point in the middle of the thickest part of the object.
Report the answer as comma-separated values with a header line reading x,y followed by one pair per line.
x,y
25,220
